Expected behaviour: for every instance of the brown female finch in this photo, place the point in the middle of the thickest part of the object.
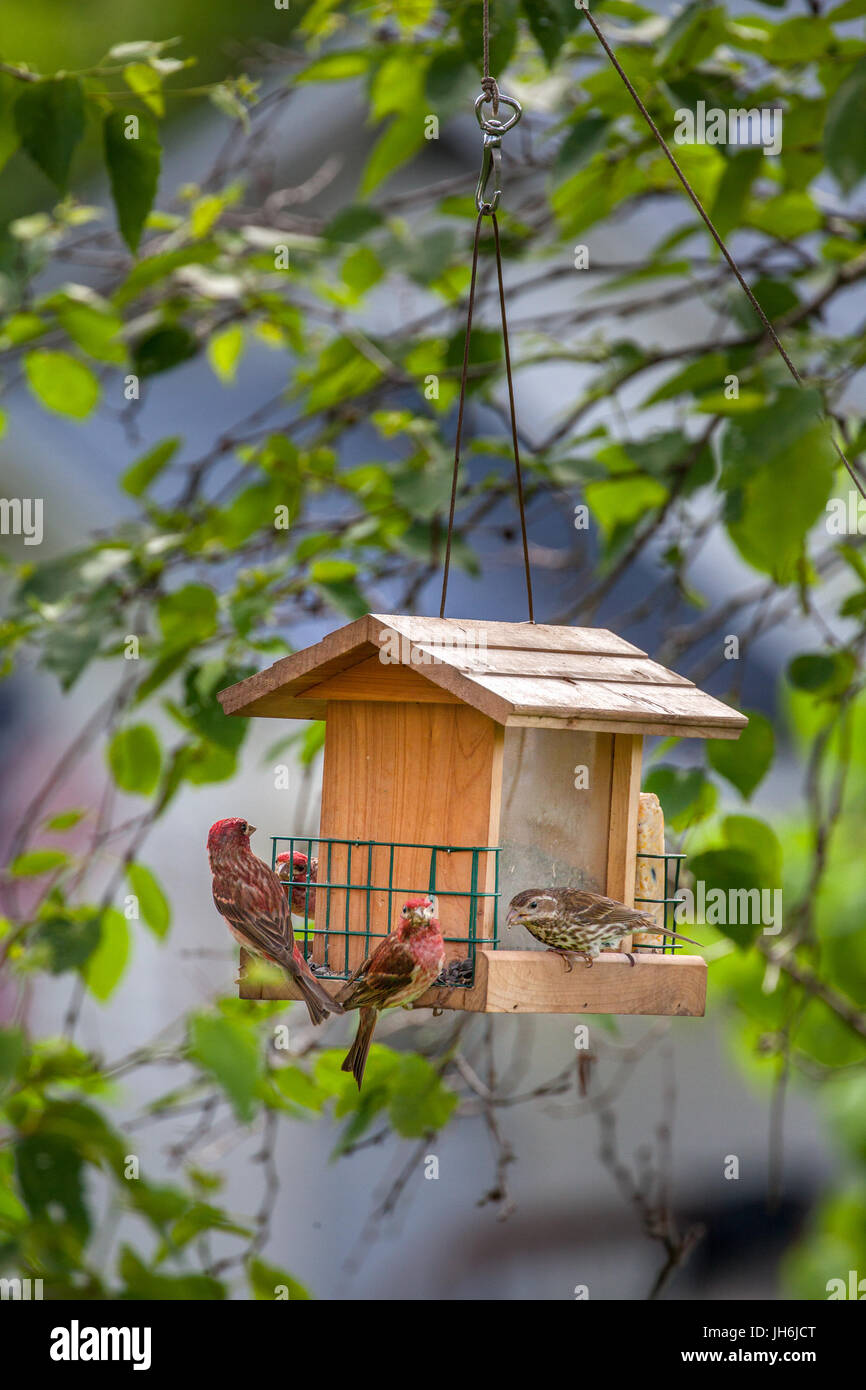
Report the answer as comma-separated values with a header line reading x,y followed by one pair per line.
x,y
292,871
251,898
402,966
571,921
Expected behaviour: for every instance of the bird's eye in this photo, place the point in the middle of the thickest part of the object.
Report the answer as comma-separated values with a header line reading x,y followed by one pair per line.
x,y
244,827
534,903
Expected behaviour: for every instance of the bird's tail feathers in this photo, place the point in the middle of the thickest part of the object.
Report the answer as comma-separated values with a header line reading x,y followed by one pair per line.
x,y
675,934
317,999
356,1058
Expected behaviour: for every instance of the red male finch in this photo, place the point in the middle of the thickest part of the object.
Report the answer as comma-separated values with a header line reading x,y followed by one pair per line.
x,y
292,871
400,969
254,903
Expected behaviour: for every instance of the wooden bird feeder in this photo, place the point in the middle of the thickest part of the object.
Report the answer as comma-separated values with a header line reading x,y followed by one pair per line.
x,y
475,759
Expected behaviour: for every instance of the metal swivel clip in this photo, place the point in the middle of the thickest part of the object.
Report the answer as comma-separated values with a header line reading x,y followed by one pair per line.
x,y
491,159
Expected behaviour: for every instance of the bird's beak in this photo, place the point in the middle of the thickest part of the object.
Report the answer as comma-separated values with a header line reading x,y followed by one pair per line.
x,y
510,919
252,830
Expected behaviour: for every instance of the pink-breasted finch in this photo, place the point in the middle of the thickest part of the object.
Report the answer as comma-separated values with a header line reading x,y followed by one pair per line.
x,y
292,871
254,903
402,967
571,921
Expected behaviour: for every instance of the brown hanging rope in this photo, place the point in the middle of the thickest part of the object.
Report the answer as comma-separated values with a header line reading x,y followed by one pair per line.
x,y
488,83
705,217
462,406
493,132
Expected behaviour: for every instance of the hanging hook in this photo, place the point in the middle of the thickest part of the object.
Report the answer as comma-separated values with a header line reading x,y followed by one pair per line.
x,y
491,163
491,159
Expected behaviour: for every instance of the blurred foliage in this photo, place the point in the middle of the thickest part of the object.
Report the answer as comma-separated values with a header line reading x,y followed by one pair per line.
x,y
219,554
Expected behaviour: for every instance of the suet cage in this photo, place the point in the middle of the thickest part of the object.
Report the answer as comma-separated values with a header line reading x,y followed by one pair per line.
x,y
473,760
362,884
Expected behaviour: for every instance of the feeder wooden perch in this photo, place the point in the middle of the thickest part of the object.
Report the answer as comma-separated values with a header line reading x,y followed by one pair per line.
x,y
478,759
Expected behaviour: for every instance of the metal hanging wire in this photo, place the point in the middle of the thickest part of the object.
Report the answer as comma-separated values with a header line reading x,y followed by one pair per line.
x,y
717,238
493,130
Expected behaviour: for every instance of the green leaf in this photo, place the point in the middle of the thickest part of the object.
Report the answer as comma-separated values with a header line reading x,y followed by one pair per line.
x,y
152,902
801,39
845,130
50,1179
64,820
845,1104
201,708
230,1051
50,120
224,352
692,35
61,382
686,795
419,1103
9,137
823,673
11,1054
200,1217
187,616
297,1086
790,215
549,22
352,223
105,966
402,139
335,67
142,79
164,348
38,861
732,194
761,841
132,156
585,138
340,372
267,1282
619,503
745,761
141,1283
93,325
730,870
205,762
68,939
135,759
137,479
778,468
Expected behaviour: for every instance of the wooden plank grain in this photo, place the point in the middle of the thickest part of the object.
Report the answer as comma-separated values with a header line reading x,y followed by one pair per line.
x,y
406,773
537,982
476,632
622,826
502,661
376,680
612,699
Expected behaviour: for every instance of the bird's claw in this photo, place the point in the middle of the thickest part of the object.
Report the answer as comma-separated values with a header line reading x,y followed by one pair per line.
x,y
564,956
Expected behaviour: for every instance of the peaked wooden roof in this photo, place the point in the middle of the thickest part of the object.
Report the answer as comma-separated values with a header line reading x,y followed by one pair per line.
x,y
516,673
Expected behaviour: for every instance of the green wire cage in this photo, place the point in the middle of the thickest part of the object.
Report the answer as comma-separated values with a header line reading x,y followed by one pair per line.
x,y
348,875
669,877
355,880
